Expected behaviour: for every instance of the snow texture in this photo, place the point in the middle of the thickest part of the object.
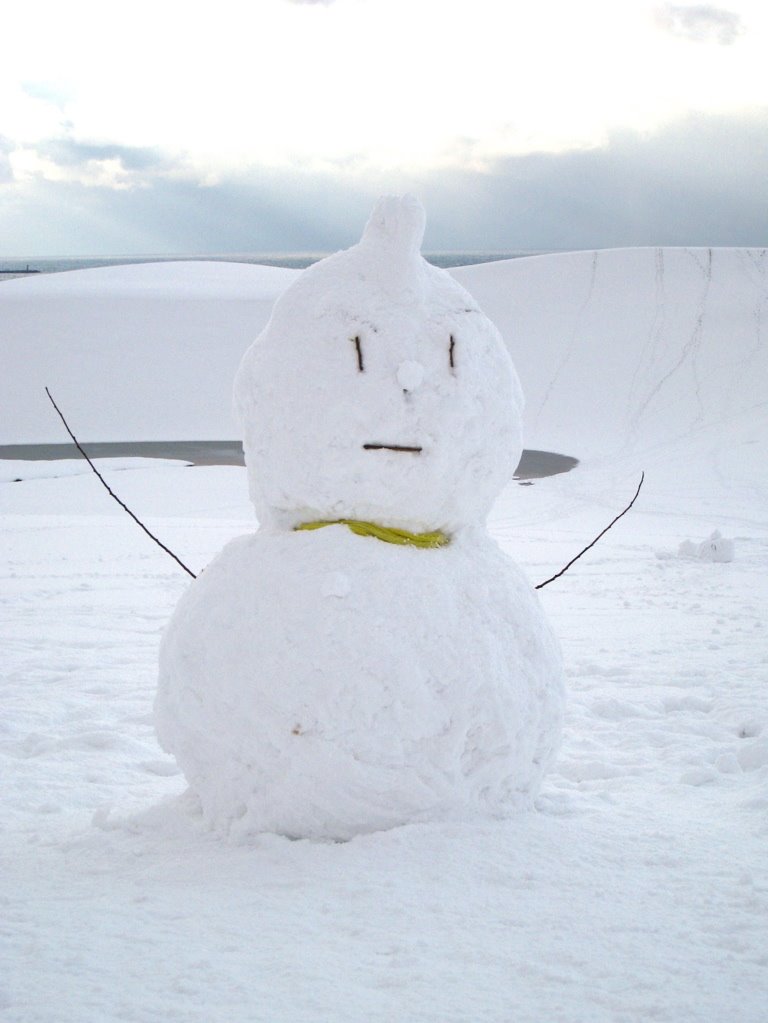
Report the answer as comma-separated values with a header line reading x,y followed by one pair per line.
x,y
637,890
432,689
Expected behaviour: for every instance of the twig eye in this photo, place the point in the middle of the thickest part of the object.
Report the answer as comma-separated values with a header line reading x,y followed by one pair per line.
x,y
451,347
358,348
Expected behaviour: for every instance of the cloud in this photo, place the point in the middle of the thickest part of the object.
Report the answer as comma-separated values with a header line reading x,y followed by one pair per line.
x,y
100,165
67,152
6,170
267,211
323,3
701,23
700,181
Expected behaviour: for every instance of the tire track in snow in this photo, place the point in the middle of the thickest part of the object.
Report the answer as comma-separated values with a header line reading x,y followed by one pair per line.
x,y
689,350
651,353
755,260
572,341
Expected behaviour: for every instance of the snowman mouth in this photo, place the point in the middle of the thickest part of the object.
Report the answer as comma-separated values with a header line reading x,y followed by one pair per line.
x,y
392,447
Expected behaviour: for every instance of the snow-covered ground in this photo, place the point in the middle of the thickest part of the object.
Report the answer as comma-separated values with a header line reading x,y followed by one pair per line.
x,y
638,891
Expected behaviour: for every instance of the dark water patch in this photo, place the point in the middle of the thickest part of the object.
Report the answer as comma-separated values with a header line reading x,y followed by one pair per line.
x,y
196,452
533,465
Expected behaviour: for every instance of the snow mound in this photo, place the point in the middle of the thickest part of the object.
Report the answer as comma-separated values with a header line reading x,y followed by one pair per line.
x,y
715,548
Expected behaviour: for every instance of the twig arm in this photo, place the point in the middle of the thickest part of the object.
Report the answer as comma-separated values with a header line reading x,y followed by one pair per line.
x,y
599,535
111,493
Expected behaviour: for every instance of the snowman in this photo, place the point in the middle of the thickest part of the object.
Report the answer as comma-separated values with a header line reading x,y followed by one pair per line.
x,y
368,657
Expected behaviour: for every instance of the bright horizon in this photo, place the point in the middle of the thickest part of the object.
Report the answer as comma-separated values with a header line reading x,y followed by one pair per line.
x,y
274,128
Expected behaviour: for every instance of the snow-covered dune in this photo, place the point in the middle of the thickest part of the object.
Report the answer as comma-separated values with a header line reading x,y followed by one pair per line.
x,y
618,351
141,352
623,349
653,359
638,890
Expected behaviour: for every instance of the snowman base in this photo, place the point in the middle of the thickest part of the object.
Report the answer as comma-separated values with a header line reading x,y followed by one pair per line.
x,y
323,684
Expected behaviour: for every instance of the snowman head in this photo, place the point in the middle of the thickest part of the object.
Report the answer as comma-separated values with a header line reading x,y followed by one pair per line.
x,y
379,391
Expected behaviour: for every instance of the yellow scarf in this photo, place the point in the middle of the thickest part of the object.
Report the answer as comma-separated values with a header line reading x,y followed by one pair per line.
x,y
386,533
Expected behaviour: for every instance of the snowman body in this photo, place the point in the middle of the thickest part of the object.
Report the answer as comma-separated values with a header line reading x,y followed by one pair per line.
x,y
320,683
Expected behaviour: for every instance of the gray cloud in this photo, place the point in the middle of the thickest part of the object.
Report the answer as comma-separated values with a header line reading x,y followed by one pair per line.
x,y
6,171
700,23
67,152
267,212
700,181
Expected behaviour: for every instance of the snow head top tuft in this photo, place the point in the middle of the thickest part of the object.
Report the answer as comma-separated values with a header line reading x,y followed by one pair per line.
x,y
396,226
390,247
378,391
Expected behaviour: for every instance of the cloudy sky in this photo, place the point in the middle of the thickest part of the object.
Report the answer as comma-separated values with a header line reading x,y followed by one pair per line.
x,y
173,127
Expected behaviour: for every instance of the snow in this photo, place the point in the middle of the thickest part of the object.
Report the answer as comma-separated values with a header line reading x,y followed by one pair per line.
x,y
431,690
637,891
434,692
143,352
16,470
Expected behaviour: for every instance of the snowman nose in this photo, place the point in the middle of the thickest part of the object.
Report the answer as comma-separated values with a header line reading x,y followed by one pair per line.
x,y
410,375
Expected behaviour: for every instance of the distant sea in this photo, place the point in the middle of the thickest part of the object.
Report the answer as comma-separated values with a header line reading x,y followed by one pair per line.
x,y
292,260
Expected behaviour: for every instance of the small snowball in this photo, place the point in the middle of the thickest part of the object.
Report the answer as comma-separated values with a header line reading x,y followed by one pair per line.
x,y
336,584
716,548
410,375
